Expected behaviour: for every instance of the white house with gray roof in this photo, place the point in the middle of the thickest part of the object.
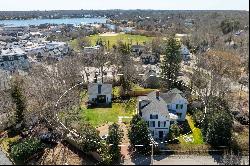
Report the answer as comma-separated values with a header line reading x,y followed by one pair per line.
x,y
185,53
160,110
152,108
176,103
13,59
100,93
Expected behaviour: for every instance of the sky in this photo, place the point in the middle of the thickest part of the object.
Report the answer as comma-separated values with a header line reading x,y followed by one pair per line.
x,y
20,5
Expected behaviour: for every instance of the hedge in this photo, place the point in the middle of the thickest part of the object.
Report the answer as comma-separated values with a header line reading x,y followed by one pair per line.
x,y
21,151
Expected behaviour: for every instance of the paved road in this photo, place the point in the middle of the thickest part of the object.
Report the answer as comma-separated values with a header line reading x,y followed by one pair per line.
x,y
4,159
179,160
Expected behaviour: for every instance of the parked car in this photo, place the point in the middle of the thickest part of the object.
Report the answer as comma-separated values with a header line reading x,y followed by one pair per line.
x,y
49,137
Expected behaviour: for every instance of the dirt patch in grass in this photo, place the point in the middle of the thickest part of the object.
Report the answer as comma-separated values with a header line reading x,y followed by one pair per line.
x,y
63,154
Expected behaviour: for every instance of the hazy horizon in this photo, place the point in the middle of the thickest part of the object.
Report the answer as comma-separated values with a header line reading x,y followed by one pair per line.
x,y
42,5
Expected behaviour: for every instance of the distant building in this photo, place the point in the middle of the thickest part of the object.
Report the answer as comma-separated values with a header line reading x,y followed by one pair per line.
x,y
150,58
13,59
185,53
151,79
91,50
49,50
138,49
14,30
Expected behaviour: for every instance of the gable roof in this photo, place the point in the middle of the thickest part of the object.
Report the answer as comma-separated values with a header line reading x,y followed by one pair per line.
x,y
149,73
105,88
172,95
158,105
175,90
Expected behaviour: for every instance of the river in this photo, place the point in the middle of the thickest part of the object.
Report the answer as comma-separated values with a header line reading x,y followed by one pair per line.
x,y
75,21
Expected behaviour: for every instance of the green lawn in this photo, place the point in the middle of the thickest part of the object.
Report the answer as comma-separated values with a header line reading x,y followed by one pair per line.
x,y
74,45
195,134
116,91
141,89
100,116
5,142
126,38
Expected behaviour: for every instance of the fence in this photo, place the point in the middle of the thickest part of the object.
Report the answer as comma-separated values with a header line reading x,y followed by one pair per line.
x,y
139,93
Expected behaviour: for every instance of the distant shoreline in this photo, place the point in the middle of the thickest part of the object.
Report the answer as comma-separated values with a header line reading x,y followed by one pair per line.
x,y
58,21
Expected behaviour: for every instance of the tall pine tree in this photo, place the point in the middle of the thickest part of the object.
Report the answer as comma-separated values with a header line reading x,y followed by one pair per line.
x,y
218,122
115,138
171,64
19,100
139,135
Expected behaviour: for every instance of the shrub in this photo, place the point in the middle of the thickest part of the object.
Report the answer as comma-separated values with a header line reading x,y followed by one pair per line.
x,y
104,154
198,117
237,127
242,118
139,135
174,132
115,137
23,150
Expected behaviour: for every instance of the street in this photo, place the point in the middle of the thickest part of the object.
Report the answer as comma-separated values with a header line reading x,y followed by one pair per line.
x,y
180,160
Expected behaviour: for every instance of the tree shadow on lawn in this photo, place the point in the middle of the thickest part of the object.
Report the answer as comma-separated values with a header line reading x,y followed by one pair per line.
x,y
185,127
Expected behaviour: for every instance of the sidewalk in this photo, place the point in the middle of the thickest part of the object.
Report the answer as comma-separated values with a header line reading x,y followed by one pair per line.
x,y
4,160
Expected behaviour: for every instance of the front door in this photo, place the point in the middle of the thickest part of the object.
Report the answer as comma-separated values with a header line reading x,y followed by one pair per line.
x,y
101,99
160,134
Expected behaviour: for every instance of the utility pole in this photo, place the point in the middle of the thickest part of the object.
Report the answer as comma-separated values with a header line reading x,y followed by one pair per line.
x,y
152,154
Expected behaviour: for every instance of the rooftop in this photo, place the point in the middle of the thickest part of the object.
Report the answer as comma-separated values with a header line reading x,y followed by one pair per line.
x,y
155,104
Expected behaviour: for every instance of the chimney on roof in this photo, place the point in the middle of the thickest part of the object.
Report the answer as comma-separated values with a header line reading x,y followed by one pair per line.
x,y
157,94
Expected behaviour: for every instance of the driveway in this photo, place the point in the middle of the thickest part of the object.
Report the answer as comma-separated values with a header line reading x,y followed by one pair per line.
x,y
4,160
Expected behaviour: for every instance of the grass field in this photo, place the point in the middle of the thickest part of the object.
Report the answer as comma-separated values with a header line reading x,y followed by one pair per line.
x,y
74,45
100,116
126,38
138,88
196,133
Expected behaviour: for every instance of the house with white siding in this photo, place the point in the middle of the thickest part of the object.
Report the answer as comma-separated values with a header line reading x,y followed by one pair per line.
x,y
152,108
176,103
160,110
13,59
185,53
100,94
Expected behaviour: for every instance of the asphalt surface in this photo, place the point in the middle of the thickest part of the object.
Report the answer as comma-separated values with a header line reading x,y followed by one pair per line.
x,y
180,160
4,160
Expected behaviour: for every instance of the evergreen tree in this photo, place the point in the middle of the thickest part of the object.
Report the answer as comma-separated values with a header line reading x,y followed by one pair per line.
x,y
114,137
171,63
218,122
91,141
19,100
139,135
174,132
